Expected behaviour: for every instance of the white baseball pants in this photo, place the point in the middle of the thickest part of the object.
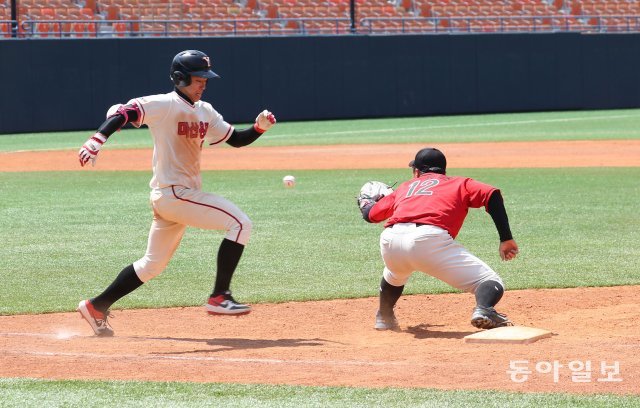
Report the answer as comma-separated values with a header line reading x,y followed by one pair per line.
x,y
408,247
175,208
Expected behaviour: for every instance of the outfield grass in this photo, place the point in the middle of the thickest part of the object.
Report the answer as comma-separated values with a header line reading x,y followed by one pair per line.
x,y
25,392
569,125
67,234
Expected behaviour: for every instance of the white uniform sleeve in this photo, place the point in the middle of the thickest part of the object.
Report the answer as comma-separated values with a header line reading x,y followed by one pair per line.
x,y
153,109
219,130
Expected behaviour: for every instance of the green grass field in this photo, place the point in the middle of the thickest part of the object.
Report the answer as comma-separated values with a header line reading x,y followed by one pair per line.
x,y
25,392
575,227
315,231
570,125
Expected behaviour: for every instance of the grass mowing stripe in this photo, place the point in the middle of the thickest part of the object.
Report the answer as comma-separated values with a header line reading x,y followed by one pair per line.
x,y
31,392
570,125
495,124
67,234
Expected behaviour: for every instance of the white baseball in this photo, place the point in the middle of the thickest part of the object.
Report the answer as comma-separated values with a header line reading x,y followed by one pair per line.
x,y
289,181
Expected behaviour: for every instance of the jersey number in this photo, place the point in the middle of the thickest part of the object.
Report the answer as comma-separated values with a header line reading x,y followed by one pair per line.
x,y
422,188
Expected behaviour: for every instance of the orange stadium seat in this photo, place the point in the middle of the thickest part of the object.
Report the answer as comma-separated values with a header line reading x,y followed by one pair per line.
x,y
542,14
78,29
120,29
272,11
125,13
91,5
112,12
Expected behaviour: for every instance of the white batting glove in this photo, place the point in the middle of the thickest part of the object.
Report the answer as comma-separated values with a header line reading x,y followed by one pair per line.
x,y
90,149
264,121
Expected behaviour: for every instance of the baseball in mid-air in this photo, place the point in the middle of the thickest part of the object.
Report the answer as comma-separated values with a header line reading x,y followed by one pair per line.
x,y
289,181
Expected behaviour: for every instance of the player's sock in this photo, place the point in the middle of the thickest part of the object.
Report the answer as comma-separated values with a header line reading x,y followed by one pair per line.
x,y
228,257
489,293
126,282
389,295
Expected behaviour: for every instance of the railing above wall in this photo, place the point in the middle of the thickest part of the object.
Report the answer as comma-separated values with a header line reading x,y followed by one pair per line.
x,y
316,26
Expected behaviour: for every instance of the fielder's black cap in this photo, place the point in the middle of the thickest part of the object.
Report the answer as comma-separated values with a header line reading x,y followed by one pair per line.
x,y
429,160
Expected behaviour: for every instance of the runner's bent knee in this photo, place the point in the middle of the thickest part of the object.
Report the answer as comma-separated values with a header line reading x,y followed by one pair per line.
x,y
239,230
147,269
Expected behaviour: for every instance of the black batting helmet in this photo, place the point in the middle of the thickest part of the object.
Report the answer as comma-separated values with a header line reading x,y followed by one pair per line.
x,y
190,62
429,160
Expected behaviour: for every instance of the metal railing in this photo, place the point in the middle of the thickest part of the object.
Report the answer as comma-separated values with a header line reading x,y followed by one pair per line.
x,y
316,26
500,24
182,28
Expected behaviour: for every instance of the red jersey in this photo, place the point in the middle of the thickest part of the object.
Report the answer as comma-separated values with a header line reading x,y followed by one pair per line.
x,y
433,199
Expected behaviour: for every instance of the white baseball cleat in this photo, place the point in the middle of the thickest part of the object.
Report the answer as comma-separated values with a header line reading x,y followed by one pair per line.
x,y
96,319
225,304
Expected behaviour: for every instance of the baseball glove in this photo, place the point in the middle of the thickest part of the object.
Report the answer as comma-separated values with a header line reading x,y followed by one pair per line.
x,y
371,192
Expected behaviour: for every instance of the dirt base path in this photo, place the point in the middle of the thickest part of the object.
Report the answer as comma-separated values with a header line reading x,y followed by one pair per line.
x,y
610,153
594,349
334,343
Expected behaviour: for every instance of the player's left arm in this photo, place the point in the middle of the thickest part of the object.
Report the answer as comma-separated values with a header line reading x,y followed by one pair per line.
x,y
495,207
264,122
117,116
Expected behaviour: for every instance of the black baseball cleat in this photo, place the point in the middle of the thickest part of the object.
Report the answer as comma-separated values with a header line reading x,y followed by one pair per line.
x,y
386,321
488,318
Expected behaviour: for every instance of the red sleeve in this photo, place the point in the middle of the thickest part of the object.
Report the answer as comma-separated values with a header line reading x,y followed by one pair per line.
x,y
383,209
478,193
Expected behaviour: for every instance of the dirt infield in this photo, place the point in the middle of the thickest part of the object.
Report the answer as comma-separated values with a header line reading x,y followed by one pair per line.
x,y
594,348
615,153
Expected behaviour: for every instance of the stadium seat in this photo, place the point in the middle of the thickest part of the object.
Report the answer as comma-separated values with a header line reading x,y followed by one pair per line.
x,y
5,28
550,15
91,5
78,29
272,11
112,12
120,29
48,13
42,29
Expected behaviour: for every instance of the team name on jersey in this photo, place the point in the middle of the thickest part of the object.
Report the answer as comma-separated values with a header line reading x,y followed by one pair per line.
x,y
193,130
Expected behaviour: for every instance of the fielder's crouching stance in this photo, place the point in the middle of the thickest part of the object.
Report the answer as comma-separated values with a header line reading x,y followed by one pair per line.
x,y
424,215
180,124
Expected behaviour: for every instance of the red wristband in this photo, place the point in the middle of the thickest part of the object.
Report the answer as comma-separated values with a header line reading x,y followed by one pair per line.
x,y
257,128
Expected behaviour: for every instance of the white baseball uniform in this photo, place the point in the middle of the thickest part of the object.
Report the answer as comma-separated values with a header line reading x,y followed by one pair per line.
x,y
180,130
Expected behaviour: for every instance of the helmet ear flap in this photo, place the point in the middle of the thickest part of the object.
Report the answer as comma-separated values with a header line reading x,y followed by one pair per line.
x,y
180,79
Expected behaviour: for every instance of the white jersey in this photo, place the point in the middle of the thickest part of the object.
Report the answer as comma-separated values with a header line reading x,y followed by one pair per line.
x,y
179,130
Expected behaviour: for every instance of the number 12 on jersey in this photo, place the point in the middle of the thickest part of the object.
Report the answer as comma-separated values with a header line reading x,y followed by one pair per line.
x,y
422,187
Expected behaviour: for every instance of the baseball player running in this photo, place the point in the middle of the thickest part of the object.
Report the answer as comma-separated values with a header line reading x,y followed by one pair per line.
x,y
424,216
180,124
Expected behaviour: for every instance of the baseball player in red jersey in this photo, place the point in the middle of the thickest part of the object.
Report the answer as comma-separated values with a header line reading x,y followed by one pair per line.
x,y
424,216
180,124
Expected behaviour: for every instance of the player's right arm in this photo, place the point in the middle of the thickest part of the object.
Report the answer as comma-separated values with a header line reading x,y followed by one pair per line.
x,y
117,116
378,210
